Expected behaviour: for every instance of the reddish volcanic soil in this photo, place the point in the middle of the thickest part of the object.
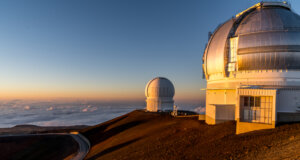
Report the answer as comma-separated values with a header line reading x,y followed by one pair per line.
x,y
140,135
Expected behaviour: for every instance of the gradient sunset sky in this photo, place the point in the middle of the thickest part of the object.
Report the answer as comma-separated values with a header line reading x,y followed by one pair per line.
x,y
107,49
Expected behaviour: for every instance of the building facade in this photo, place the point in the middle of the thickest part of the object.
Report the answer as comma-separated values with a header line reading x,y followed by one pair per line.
x,y
252,67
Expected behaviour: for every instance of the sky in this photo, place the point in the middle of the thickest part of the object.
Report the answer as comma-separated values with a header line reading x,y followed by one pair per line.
x,y
107,49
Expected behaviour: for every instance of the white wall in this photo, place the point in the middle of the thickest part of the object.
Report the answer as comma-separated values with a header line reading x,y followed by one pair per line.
x,y
214,101
155,104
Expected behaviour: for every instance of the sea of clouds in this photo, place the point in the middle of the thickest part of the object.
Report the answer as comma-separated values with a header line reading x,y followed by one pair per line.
x,y
51,113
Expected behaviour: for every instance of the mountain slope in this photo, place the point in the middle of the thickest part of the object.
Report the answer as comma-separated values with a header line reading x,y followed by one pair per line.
x,y
141,135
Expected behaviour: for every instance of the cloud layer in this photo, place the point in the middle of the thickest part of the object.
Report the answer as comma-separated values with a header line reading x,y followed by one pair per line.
x,y
16,112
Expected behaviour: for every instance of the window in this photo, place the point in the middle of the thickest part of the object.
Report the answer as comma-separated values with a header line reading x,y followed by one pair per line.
x,y
252,101
256,109
232,54
231,67
257,101
233,49
246,101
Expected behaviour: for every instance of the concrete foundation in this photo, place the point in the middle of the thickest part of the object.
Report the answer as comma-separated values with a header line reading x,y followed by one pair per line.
x,y
212,121
243,127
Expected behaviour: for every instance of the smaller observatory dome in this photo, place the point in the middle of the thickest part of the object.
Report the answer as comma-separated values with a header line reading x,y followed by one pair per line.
x,y
159,92
159,87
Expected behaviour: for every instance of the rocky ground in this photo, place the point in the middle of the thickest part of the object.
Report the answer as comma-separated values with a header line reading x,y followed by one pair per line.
x,y
140,135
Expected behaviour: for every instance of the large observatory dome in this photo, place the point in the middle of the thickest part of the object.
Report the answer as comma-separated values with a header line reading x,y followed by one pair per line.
x,y
265,37
252,67
159,87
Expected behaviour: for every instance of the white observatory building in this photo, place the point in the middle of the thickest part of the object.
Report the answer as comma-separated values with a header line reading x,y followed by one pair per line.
x,y
252,67
159,93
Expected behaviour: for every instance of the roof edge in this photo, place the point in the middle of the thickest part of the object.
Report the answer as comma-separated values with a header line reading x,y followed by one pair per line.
x,y
266,4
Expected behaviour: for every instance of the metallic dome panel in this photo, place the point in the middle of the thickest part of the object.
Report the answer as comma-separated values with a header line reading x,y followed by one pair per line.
x,y
269,19
215,52
269,38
